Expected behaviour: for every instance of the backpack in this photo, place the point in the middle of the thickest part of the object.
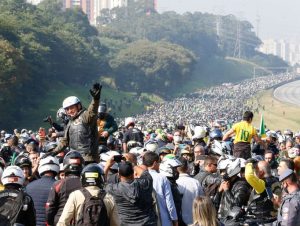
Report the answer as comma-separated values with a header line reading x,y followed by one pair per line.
x,y
11,203
93,211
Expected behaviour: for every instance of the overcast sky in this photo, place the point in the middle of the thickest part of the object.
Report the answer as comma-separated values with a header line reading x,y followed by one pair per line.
x,y
279,19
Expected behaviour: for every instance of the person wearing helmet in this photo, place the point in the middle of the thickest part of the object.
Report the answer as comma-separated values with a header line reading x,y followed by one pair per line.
x,y
131,134
288,212
112,175
81,132
13,181
168,168
233,190
58,128
199,135
92,181
133,194
25,164
39,189
73,164
244,132
106,124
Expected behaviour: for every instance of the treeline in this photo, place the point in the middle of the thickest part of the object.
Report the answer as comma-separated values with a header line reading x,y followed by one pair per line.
x,y
40,47
201,41
138,49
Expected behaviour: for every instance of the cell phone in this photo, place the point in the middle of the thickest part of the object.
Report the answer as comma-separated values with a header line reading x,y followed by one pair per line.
x,y
118,158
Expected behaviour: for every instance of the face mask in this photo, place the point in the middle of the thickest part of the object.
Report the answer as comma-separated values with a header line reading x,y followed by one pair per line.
x,y
177,139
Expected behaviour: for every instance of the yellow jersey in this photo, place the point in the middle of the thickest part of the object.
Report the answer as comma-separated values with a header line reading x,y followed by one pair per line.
x,y
244,132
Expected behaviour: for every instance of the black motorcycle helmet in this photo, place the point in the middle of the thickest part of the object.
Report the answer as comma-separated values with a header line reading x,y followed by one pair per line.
x,y
92,175
73,163
50,146
23,161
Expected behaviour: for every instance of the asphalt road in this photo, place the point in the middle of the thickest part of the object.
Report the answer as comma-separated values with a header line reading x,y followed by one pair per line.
x,y
289,93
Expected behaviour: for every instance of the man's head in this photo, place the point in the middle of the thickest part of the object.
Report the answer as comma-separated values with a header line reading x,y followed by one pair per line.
x,y
199,150
184,167
210,164
126,171
289,144
102,109
263,170
285,164
72,106
269,156
151,160
248,116
288,181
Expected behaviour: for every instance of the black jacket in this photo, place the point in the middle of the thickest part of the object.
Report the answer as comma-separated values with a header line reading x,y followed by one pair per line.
x,y
237,195
39,191
134,201
58,197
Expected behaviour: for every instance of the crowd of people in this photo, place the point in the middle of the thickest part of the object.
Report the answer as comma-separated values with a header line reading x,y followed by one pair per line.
x,y
226,101
169,166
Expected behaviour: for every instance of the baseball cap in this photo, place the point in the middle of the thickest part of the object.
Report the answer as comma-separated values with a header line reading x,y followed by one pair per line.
x,y
285,174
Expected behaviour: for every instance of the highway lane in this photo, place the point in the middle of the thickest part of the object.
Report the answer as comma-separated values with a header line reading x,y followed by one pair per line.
x,y
289,93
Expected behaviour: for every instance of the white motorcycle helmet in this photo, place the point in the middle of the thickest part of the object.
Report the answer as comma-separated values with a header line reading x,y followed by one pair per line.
x,y
104,157
199,132
69,101
128,121
49,163
13,175
168,166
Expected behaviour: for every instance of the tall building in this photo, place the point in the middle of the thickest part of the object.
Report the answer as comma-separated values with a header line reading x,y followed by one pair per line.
x,y
289,52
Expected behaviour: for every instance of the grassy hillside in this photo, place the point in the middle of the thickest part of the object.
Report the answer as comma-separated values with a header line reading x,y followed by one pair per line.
x,y
217,71
33,117
277,115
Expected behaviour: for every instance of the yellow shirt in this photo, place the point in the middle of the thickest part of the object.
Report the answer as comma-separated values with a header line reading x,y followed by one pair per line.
x,y
256,183
244,132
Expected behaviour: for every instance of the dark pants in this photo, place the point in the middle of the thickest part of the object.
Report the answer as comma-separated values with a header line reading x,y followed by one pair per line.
x,y
242,150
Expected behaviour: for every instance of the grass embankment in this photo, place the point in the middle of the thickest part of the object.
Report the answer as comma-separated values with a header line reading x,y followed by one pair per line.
x,y
52,101
277,115
215,71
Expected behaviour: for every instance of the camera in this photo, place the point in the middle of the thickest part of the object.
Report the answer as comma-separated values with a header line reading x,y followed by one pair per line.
x,y
118,158
225,177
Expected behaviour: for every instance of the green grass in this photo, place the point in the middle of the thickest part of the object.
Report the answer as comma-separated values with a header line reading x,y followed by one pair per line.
x,y
217,71
277,115
53,99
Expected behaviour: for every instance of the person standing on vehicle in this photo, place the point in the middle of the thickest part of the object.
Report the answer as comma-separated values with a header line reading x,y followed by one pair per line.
x,y
132,134
244,132
106,124
81,132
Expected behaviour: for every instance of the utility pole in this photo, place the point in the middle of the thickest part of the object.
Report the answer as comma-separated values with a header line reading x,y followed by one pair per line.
x,y
257,24
237,47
